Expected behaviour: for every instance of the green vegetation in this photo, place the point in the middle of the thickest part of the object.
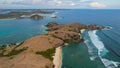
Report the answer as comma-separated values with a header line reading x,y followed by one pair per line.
x,y
2,47
11,57
15,52
19,44
36,17
68,41
70,30
11,53
46,34
47,54
11,44
11,50
56,37
46,67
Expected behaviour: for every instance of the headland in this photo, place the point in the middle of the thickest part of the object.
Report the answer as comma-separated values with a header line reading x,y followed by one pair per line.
x,y
38,51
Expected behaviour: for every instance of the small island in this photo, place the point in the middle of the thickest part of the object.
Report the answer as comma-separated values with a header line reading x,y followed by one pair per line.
x,y
37,17
44,51
24,14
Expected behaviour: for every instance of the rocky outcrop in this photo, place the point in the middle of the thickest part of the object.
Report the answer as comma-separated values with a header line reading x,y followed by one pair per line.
x,y
51,24
75,27
69,33
36,17
95,27
66,36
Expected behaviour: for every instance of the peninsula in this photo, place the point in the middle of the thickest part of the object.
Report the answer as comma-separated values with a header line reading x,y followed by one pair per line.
x,y
43,51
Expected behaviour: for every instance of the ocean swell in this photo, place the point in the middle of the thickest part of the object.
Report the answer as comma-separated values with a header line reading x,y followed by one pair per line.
x,y
102,51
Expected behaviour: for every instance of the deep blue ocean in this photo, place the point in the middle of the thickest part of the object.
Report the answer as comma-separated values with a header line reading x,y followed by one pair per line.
x,y
101,49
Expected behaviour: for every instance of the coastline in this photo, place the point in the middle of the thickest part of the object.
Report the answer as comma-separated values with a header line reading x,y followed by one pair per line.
x,y
57,61
82,30
8,19
57,58
58,35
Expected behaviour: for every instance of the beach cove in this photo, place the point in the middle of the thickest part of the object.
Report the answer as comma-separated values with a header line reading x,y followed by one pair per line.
x,y
58,55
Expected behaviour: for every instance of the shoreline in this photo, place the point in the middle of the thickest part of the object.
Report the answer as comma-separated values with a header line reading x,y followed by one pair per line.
x,y
57,61
82,30
9,19
57,58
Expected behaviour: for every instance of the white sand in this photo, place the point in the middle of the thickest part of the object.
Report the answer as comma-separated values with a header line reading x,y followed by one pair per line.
x,y
82,30
58,57
66,44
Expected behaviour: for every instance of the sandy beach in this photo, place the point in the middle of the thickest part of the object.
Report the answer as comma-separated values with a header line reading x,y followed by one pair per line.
x,y
82,30
58,57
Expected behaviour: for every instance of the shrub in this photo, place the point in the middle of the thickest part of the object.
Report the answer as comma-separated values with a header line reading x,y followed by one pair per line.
x,y
47,54
15,52
68,41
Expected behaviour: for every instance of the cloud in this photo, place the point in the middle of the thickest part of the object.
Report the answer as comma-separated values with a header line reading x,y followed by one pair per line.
x,y
85,0
36,1
72,4
97,5
57,3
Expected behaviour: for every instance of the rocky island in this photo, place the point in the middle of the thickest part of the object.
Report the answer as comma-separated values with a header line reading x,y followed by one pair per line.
x,y
37,17
43,51
24,14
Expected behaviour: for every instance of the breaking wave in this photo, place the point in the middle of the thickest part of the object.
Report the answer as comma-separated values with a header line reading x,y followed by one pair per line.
x,y
102,51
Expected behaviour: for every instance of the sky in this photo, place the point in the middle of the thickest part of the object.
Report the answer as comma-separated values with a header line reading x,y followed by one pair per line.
x,y
60,4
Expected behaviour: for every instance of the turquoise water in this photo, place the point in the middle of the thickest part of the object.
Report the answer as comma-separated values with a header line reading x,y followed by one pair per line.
x,y
18,30
77,56
101,49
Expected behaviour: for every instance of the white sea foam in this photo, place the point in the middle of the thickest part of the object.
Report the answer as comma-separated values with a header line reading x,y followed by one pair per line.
x,y
93,58
98,44
102,51
107,28
90,50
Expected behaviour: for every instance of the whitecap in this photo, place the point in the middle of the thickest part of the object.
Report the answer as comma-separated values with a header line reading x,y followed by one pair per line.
x,y
91,50
93,58
108,28
102,51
